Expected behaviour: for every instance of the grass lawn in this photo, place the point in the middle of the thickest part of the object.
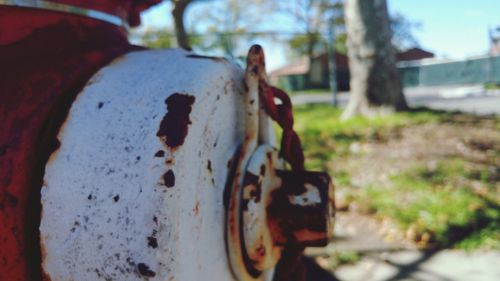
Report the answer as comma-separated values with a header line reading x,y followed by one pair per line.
x,y
435,175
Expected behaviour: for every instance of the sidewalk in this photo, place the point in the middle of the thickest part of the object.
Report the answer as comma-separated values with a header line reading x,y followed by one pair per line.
x,y
444,265
469,99
398,260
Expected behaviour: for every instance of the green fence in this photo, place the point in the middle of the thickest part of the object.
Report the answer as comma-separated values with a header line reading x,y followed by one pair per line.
x,y
471,71
293,82
480,70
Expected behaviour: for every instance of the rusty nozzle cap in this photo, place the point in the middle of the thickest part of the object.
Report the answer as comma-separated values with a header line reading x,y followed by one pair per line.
x,y
300,211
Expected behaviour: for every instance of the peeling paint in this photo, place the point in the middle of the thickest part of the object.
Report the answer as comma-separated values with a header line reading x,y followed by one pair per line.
x,y
174,125
196,209
144,270
152,241
169,178
160,153
209,166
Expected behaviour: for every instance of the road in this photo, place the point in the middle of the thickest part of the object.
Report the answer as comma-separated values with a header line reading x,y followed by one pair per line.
x,y
470,99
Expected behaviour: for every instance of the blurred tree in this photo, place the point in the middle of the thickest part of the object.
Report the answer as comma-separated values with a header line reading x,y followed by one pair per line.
x,y
179,8
231,23
156,38
313,19
402,35
178,11
375,82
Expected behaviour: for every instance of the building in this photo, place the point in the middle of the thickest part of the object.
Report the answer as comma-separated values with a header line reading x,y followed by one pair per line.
x,y
495,41
303,74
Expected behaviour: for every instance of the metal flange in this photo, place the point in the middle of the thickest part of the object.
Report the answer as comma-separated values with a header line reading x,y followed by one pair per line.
x,y
277,208
259,183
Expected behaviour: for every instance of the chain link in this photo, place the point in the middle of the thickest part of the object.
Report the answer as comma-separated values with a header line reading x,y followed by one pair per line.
x,y
291,148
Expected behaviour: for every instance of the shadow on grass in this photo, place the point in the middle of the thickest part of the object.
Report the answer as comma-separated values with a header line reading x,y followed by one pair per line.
x,y
481,219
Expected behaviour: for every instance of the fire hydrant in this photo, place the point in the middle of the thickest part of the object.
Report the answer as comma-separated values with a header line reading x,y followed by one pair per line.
x,y
162,165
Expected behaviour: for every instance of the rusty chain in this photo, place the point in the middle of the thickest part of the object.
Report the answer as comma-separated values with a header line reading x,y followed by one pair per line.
x,y
290,266
291,148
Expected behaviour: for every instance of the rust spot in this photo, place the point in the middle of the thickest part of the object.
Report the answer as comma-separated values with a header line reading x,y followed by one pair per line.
x,y
169,161
256,49
144,270
75,225
152,242
257,192
269,155
169,178
252,181
245,86
231,175
45,275
174,125
160,153
209,166
196,209
261,250
255,70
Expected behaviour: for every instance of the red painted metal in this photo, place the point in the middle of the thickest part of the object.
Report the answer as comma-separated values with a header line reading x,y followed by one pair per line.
x,y
45,59
128,9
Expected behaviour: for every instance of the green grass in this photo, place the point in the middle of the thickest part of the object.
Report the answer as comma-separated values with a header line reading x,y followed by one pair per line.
x,y
435,207
492,86
311,91
344,257
324,135
436,204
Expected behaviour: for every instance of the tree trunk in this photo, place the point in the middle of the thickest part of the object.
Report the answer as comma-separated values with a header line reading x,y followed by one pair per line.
x,y
311,42
178,15
375,82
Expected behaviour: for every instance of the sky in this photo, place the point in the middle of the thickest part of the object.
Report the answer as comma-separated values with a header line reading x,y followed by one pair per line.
x,y
449,28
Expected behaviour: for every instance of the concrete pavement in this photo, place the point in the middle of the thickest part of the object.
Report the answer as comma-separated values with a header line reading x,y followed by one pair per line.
x,y
444,265
383,260
470,99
